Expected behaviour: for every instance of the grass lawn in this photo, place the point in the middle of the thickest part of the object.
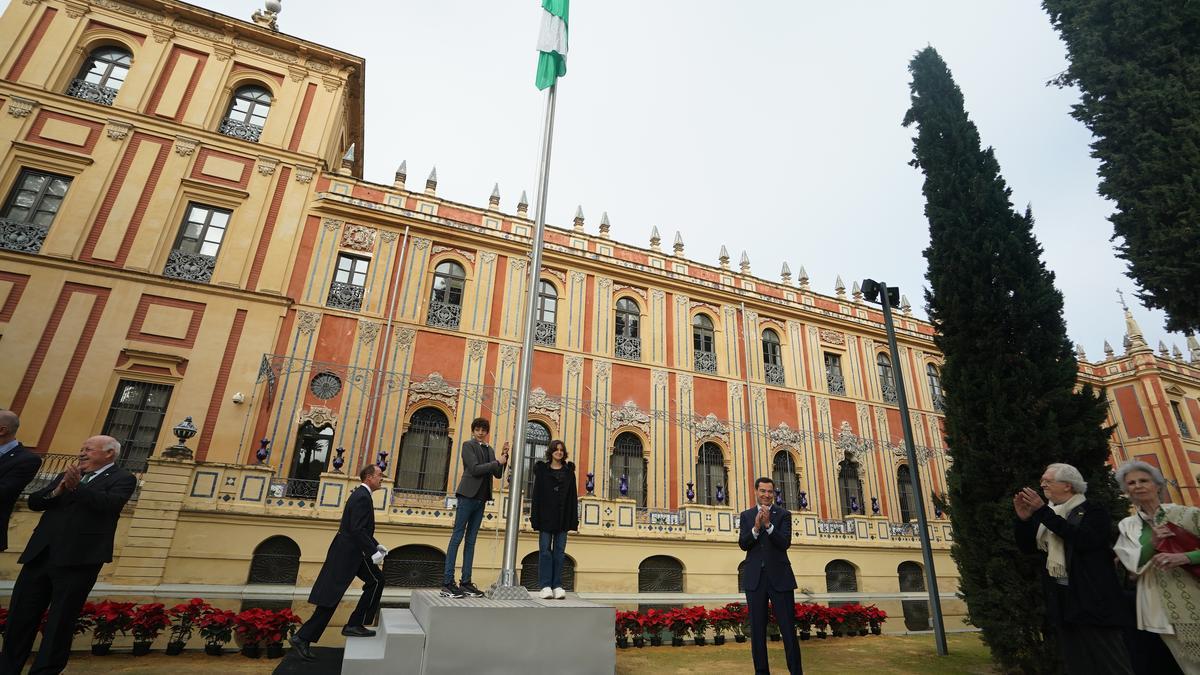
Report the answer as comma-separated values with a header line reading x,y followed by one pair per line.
x,y
883,654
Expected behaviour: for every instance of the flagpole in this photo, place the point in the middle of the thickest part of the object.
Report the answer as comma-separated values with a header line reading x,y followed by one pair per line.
x,y
506,586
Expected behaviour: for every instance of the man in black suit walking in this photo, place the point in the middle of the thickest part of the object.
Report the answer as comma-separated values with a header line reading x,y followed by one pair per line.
x,y
72,541
17,467
765,534
353,552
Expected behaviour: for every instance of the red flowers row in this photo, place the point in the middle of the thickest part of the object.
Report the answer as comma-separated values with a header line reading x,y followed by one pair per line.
x,y
735,617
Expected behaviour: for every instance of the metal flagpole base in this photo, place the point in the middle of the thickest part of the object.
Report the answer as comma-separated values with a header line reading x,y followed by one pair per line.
x,y
498,592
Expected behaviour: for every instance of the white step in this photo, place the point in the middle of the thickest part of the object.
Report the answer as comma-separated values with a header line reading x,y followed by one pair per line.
x,y
398,647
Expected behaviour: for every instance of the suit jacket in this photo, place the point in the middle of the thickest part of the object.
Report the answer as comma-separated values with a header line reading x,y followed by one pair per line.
x,y
479,464
17,468
77,528
353,545
768,553
1092,595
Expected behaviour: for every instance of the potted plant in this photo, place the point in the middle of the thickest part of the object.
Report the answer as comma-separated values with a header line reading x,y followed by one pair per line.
x,y
680,624
875,618
804,619
700,621
183,619
855,619
654,622
254,627
820,617
146,622
741,617
283,624
837,621
773,633
636,630
722,622
216,627
85,621
110,618
622,629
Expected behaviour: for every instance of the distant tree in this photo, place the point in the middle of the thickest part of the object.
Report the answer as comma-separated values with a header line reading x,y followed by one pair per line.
x,y
1009,371
1137,65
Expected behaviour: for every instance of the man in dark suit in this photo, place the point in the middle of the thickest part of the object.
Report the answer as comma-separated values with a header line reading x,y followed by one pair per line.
x,y
765,534
353,552
480,464
17,467
72,541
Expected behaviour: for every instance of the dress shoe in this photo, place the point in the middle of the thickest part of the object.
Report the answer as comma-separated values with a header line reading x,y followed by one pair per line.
x,y
301,647
357,631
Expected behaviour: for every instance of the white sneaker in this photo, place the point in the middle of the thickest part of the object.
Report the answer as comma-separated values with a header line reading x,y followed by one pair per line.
x,y
559,593
547,593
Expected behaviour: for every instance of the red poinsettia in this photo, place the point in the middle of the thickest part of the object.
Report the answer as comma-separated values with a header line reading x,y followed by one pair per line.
x,y
254,626
85,620
216,626
628,623
654,621
148,621
111,618
283,623
184,617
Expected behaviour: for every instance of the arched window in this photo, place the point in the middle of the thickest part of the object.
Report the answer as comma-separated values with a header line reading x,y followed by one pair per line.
x,y
935,387
529,572
772,357
537,439
276,561
626,326
424,462
840,577
912,580
546,331
310,460
710,475
787,482
247,113
445,302
629,461
660,574
702,344
414,566
850,487
908,504
887,378
101,75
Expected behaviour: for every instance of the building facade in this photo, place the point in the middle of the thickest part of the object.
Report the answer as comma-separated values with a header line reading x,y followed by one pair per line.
x,y
186,233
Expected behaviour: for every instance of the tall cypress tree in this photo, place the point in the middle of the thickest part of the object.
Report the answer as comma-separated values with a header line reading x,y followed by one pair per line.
x,y
1009,371
1137,64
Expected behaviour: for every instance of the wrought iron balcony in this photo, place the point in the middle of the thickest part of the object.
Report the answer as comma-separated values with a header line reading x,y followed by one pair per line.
x,y
240,129
706,362
545,333
22,237
837,384
889,392
345,296
774,374
89,91
195,267
628,348
842,527
443,314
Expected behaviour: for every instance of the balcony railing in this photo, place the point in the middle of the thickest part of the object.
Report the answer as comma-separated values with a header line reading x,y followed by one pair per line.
x,y
295,488
89,91
706,362
545,333
240,129
774,374
195,267
22,237
837,384
628,348
443,314
889,392
345,296
836,527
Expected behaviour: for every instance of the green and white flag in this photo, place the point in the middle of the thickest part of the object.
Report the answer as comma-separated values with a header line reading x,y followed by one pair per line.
x,y
552,42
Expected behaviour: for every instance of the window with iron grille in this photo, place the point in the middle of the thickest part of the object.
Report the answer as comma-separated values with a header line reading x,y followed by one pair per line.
x,y
660,574
424,462
195,254
912,580
772,357
32,203
529,572
546,330
101,76
840,577
710,474
135,419
349,282
887,378
445,303
310,459
904,490
275,561
537,439
414,566
702,344
247,113
626,325
935,387
1183,427
850,487
628,460
787,481
833,374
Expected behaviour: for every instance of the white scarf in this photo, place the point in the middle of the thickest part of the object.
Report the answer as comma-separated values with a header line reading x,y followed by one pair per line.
x,y
1052,544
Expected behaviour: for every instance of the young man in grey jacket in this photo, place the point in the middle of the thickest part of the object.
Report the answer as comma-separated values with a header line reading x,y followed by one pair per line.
x,y
480,464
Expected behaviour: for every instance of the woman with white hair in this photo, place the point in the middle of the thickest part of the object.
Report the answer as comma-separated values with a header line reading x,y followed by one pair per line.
x,y
1156,543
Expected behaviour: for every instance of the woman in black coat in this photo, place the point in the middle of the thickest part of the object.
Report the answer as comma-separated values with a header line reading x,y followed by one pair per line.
x,y
554,511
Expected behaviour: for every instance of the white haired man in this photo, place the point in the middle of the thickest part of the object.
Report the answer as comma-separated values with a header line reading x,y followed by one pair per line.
x,y
1083,598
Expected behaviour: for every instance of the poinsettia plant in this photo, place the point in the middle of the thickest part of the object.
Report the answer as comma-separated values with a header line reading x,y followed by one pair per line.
x,y
254,626
875,615
85,620
679,621
722,620
111,618
216,626
628,623
283,623
147,621
654,621
741,617
184,617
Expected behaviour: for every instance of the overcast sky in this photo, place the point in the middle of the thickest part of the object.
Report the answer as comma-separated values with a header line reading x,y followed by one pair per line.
x,y
771,127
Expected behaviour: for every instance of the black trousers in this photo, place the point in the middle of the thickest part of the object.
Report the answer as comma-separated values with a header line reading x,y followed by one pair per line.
x,y
1093,650
364,612
784,603
63,589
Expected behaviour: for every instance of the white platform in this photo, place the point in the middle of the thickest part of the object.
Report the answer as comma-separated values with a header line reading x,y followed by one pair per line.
x,y
445,636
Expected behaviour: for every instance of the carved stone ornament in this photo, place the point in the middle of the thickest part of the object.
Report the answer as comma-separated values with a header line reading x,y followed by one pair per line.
x,y
466,254
758,394
823,407
640,292
193,29
223,52
405,336
518,263
541,404
709,427
421,243
185,146
508,354
434,388
388,237
330,83
574,365
629,415
488,257
603,370
735,393
319,416
784,436
131,10
476,349
162,34
266,165
604,283
332,224
20,107
118,130
851,443
297,73
557,274
657,294
358,237
304,174
75,9
832,337
660,378
368,331
578,277
307,322
685,383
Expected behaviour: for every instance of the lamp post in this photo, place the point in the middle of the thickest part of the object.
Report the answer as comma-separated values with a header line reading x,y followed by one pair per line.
x,y
879,292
